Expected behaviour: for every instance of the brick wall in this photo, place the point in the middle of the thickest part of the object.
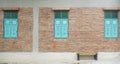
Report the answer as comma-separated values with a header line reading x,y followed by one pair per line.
x,y
24,41
86,32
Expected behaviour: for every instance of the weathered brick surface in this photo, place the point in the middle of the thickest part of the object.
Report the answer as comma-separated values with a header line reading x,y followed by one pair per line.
x,y
86,32
24,41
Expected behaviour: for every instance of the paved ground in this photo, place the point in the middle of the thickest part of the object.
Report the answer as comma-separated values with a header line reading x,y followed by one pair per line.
x,y
74,62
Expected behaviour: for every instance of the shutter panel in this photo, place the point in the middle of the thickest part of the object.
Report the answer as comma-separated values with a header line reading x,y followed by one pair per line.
x,y
14,27
114,28
107,28
64,28
57,28
7,28
57,14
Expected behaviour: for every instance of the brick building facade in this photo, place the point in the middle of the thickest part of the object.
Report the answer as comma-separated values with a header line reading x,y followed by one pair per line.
x,y
36,33
86,32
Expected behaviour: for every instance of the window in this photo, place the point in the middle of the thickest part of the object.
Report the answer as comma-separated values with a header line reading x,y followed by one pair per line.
x,y
61,24
10,24
111,24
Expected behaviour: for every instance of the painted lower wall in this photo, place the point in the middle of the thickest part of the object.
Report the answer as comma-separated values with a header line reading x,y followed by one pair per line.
x,y
28,57
56,58
111,56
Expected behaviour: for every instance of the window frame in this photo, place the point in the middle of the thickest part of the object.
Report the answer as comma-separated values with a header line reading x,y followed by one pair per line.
x,y
17,25
61,18
111,19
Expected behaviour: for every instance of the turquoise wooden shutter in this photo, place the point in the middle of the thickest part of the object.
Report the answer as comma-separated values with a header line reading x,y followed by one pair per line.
x,y
107,28
64,28
10,28
7,28
14,28
10,24
114,28
57,28
111,28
